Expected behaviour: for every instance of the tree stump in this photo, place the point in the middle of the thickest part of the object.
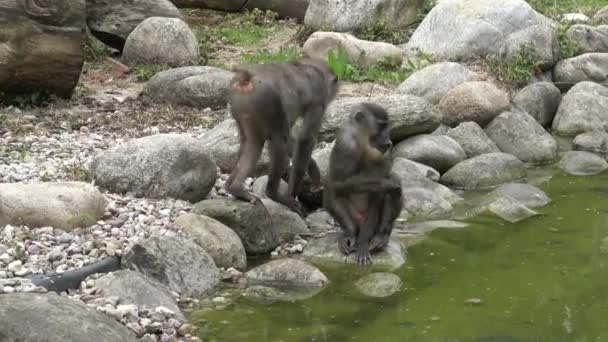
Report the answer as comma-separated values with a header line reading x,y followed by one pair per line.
x,y
41,45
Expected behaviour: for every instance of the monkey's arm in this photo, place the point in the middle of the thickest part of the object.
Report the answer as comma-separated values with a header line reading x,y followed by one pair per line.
x,y
361,183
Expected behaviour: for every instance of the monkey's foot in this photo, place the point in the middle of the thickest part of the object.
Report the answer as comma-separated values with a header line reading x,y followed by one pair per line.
x,y
247,197
378,243
362,257
345,243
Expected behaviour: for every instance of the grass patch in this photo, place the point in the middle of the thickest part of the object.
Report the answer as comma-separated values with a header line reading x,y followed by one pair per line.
x,y
288,54
77,172
518,70
555,8
567,48
94,50
382,31
387,71
144,72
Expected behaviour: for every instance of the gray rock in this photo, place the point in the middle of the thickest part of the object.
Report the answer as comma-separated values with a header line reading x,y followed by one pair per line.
x,y
221,242
222,143
292,9
325,251
195,86
321,156
378,285
157,166
158,40
176,262
259,186
53,318
132,287
526,194
286,272
441,190
540,100
587,67
437,151
485,171
320,222
601,17
360,52
473,140
342,15
509,209
252,223
584,108
435,81
588,38
286,223
411,170
594,141
441,130
574,18
423,203
538,42
112,21
64,205
409,115
473,101
581,163
459,29
519,134
271,294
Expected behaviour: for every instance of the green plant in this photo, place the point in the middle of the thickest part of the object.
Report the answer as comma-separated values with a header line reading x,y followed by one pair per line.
x,y
94,50
382,31
518,69
555,8
567,48
77,172
144,72
288,54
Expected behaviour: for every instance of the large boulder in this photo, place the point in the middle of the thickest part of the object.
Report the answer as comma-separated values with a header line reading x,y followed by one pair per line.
x,y
460,29
587,67
584,108
519,134
63,205
132,287
433,82
437,151
537,43
473,140
252,223
581,163
344,15
540,100
589,38
360,52
473,101
195,86
409,170
176,262
594,141
285,222
286,272
485,171
221,242
165,41
112,21
424,204
157,166
53,318
409,115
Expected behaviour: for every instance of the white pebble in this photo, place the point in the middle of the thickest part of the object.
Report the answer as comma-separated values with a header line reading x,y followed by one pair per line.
x,y
15,266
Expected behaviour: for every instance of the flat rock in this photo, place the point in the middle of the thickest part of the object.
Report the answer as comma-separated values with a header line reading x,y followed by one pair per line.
x,y
111,21
194,86
360,52
252,223
509,209
521,135
325,251
176,262
409,115
588,38
473,140
485,171
221,242
476,101
343,15
433,82
320,222
437,151
584,108
411,170
379,285
540,100
581,163
160,40
64,205
593,141
132,287
425,204
591,67
286,272
157,166
53,318
526,194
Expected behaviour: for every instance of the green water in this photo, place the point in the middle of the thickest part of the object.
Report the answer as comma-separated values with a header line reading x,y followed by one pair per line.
x,y
544,279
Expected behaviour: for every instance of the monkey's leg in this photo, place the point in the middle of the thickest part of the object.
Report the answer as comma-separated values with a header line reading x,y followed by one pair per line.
x,y
338,209
303,147
279,161
250,151
367,231
391,209
240,153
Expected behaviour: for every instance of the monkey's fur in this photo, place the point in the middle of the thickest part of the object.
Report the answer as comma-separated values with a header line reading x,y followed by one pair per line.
x,y
265,101
361,192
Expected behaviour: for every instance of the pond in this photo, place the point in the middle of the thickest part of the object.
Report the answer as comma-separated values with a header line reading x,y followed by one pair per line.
x,y
543,279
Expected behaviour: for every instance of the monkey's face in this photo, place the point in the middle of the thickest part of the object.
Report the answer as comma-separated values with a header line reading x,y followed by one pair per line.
x,y
380,138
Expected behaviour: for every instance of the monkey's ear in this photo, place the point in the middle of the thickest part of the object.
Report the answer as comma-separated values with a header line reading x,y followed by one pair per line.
x,y
359,116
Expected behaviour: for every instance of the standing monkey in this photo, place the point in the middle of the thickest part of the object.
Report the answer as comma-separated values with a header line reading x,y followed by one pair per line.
x,y
361,192
266,100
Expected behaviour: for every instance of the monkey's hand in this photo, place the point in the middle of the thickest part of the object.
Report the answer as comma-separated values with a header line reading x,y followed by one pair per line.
x,y
379,242
345,243
362,257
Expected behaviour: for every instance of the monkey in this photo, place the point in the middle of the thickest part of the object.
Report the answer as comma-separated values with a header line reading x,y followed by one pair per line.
x,y
265,101
361,192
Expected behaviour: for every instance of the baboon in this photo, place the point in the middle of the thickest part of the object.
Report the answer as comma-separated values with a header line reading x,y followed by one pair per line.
x,y
266,100
361,192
